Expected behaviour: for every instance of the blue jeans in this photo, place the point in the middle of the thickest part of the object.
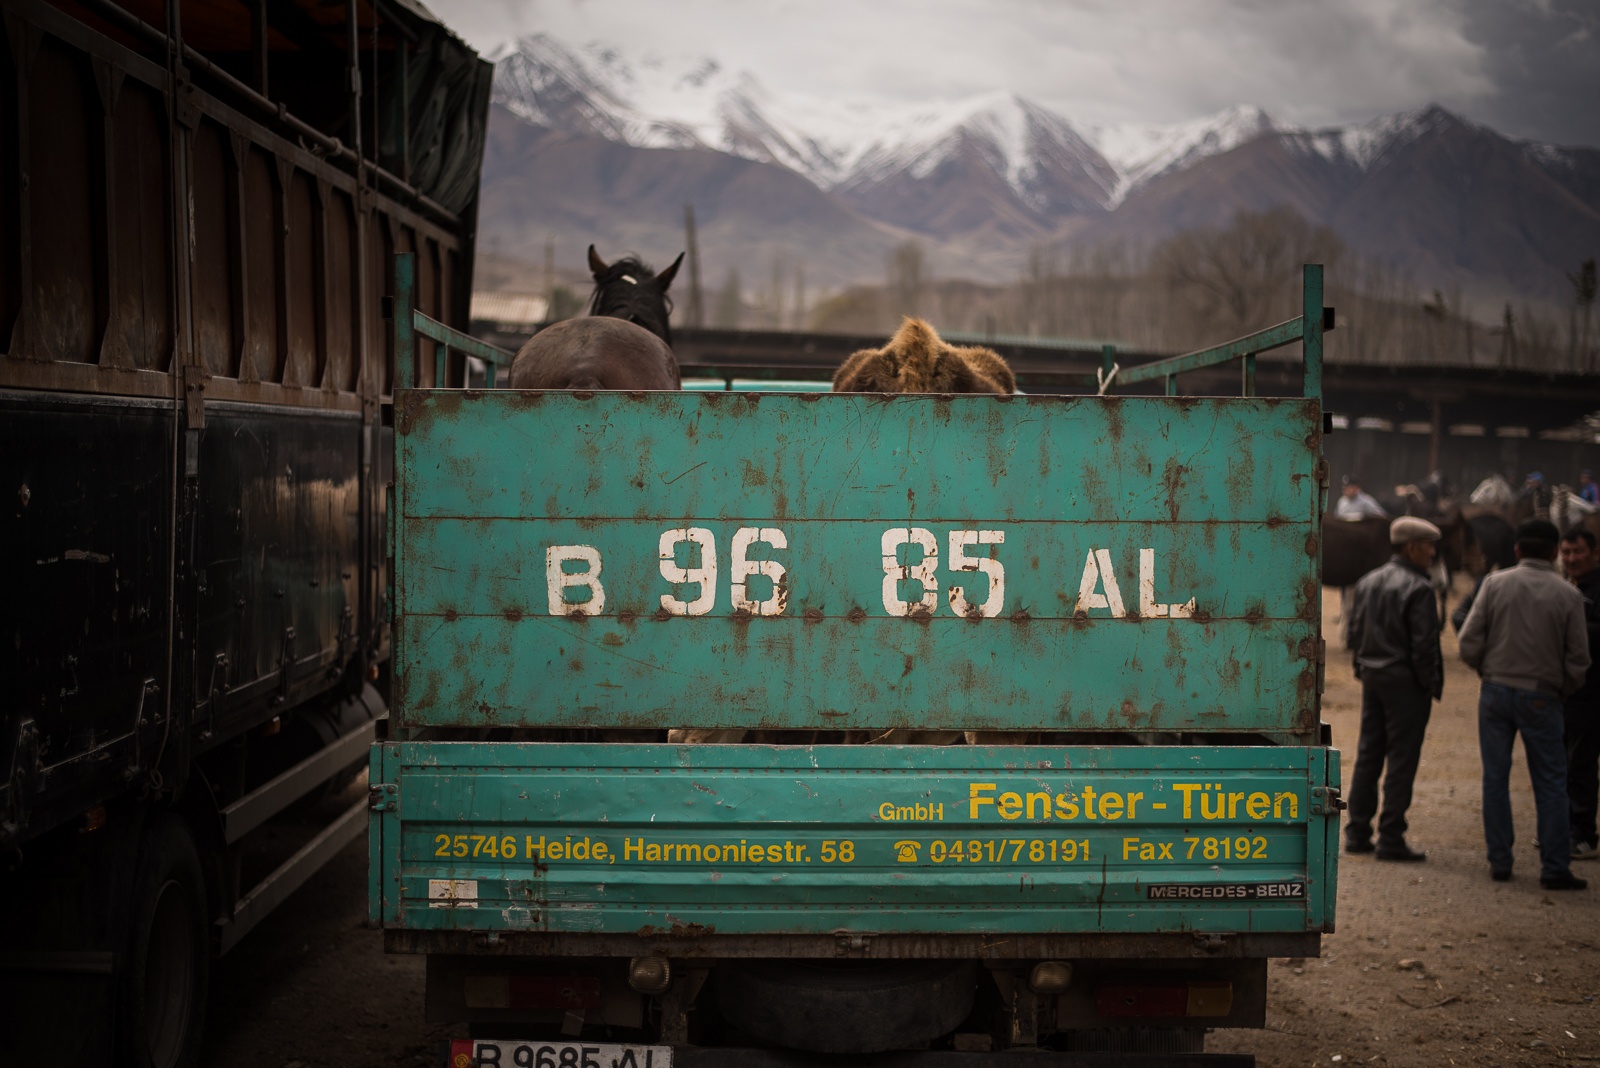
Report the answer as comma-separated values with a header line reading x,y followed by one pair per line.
x,y
1502,712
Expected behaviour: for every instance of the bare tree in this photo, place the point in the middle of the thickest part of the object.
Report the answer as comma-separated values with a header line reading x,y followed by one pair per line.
x,y
905,279
775,304
730,303
1583,293
1235,278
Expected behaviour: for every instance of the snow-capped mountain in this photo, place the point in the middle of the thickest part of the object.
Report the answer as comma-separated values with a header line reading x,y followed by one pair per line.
x,y
1142,151
654,103
985,179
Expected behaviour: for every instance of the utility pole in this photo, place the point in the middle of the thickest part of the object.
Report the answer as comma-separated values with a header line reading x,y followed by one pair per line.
x,y
697,306
800,296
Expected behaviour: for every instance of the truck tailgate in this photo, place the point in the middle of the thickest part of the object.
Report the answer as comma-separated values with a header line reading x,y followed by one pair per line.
x,y
750,839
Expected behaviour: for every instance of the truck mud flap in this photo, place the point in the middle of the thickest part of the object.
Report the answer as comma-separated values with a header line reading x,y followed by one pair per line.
x,y
741,839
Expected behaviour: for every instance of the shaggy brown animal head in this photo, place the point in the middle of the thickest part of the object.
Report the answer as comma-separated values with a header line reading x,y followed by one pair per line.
x,y
917,360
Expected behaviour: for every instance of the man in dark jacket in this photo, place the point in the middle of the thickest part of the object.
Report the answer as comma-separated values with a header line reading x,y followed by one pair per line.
x,y
1394,638
1582,709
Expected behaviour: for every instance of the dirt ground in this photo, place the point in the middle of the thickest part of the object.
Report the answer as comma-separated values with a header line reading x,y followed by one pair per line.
x,y
1433,963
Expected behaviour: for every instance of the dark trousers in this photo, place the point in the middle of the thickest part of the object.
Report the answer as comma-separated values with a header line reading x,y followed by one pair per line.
x,y
1582,736
1394,718
1504,713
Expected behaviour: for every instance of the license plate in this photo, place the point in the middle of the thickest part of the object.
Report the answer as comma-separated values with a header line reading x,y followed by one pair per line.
x,y
508,1053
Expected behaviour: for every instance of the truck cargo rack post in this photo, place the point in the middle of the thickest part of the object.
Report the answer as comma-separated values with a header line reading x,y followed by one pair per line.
x,y
1307,328
409,321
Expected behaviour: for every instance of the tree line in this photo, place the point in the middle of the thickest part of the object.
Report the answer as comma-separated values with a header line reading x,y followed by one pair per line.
x,y
1208,285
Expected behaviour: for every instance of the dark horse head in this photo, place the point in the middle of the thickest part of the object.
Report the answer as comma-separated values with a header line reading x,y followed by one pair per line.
x,y
627,289
623,343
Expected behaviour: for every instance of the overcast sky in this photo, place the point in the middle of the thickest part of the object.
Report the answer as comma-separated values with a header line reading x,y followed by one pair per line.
x,y
1529,68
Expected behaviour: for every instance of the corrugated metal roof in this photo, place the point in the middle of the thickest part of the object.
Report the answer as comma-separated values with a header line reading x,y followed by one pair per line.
x,y
509,308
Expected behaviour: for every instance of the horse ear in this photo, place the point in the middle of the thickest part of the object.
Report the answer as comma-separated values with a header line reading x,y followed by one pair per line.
x,y
596,264
664,279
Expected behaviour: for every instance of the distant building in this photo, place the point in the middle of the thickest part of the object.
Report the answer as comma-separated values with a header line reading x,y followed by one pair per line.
x,y
510,313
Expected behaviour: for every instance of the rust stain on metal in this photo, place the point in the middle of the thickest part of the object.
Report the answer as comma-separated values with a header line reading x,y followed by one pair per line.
x,y
1113,412
661,615
812,615
1241,478
677,930
753,476
1310,608
450,615
856,614
1020,616
513,615
1172,479
406,411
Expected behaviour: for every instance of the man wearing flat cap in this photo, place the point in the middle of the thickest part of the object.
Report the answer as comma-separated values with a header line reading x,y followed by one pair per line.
x,y
1394,639
1526,637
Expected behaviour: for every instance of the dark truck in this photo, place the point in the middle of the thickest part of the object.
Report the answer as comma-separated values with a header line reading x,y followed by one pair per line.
x,y
1119,596
198,205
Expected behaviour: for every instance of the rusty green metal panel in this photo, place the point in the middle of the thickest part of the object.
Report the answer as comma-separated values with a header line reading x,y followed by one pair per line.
x,y
1158,560
778,840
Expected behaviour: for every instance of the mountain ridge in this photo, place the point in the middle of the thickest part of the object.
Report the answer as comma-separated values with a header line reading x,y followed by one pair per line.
x,y
984,179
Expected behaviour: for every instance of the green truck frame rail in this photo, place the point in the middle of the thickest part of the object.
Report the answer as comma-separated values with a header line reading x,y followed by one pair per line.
x,y
1120,594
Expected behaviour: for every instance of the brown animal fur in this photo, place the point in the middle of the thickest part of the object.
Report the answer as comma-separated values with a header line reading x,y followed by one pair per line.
x,y
917,360
596,352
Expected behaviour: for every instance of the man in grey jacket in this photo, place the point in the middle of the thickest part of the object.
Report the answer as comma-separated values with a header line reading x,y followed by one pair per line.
x,y
1394,637
1526,637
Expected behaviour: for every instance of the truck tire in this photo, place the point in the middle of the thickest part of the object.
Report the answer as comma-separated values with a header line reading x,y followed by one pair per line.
x,y
163,982
846,1006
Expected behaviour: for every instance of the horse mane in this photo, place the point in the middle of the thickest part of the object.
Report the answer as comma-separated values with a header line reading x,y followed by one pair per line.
x,y
638,301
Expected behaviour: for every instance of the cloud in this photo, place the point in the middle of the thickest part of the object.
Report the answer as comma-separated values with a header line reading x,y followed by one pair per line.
x,y
1544,60
1529,67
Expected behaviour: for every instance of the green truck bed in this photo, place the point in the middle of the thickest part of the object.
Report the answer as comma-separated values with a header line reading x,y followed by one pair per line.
x,y
1120,595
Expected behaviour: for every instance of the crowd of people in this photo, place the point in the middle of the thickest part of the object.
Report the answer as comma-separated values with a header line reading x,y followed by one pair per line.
x,y
1531,634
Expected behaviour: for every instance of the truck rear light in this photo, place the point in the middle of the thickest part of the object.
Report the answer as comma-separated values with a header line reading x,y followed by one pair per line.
x,y
531,991
650,975
1190,999
1050,976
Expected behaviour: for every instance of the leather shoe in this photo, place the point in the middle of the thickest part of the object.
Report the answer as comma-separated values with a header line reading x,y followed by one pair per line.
x,y
1500,875
1400,852
1356,845
1568,881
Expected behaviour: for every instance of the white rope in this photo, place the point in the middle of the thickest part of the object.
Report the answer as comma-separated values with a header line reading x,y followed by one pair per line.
x,y
1105,378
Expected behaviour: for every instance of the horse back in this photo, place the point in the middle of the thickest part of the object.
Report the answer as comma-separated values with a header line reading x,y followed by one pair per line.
x,y
597,352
